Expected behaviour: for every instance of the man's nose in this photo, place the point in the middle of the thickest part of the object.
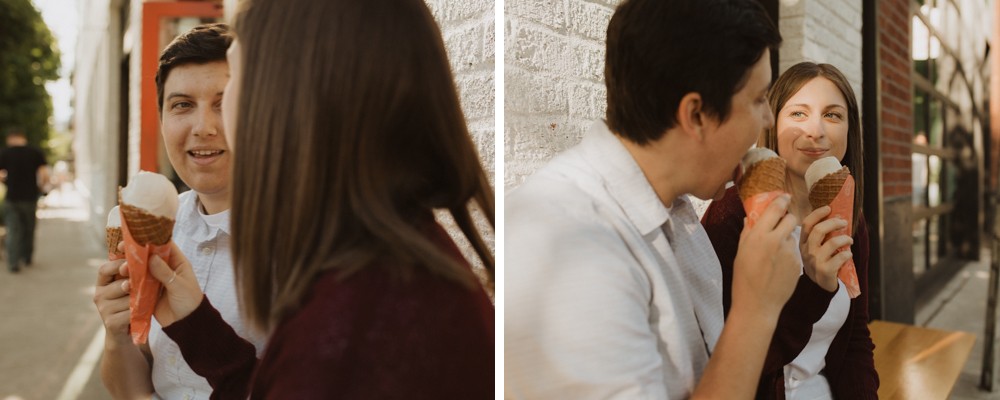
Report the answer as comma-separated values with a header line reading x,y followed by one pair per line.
x,y
208,123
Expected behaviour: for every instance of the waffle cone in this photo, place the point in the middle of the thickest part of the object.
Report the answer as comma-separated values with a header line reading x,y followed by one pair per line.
x,y
114,236
826,189
144,227
762,177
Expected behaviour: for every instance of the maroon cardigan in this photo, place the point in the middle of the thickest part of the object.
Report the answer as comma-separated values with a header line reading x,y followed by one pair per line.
x,y
850,364
367,336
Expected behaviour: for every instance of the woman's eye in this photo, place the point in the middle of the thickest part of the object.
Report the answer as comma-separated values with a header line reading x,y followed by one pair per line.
x,y
797,114
833,115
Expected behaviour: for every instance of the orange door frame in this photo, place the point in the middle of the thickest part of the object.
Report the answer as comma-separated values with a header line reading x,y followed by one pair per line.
x,y
153,13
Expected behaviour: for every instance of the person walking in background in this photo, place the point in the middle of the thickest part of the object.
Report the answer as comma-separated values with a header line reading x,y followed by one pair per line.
x,y
347,132
25,172
822,348
612,287
190,79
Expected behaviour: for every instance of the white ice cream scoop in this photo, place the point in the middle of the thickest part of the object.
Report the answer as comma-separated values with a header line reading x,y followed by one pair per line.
x,y
114,218
152,192
821,168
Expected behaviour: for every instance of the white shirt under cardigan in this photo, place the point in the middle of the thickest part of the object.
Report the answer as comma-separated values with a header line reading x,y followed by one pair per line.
x,y
608,293
204,240
803,380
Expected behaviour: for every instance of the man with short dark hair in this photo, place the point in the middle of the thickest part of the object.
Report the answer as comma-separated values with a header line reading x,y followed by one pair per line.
x,y
612,287
189,83
26,171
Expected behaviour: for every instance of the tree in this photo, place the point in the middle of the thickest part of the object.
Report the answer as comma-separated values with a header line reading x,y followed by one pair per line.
x,y
29,57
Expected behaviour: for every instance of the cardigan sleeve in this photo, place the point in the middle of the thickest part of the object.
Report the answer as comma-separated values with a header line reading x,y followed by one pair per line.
x,y
855,376
213,350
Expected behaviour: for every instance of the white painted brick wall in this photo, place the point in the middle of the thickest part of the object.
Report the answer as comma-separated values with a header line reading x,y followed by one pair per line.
x,y
468,30
554,83
824,31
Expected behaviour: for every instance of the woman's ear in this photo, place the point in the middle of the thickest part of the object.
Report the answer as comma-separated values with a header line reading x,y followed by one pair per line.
x,y
691,116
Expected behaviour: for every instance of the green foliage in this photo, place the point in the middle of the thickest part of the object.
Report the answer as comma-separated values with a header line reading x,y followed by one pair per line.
x,y
29,58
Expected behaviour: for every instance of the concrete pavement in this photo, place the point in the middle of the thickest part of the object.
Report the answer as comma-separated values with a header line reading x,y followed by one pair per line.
x,y
49,319
961,306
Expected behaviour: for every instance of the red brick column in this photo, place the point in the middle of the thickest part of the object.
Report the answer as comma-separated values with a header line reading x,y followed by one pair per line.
x,y
897,97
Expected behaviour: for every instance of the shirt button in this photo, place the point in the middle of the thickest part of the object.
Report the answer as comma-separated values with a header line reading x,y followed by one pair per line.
x,y
207,250
173,361
187,397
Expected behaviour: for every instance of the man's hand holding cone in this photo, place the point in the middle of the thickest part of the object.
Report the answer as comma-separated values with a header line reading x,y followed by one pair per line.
x,y
763,181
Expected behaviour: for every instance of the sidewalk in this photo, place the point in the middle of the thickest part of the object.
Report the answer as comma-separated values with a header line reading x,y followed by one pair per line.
x,y
961,306
49,317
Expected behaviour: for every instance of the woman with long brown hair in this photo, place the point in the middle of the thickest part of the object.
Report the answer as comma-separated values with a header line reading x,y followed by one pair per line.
x,y
821,347
347,134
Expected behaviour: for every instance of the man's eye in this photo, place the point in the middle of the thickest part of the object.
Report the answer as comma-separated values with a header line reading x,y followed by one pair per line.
x,y
181,105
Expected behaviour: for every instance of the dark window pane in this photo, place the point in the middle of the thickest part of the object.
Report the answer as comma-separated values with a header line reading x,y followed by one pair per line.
x,y
934,240
936,124
919,247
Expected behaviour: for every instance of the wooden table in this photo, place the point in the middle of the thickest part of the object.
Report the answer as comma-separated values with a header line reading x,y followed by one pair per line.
x,y
918,363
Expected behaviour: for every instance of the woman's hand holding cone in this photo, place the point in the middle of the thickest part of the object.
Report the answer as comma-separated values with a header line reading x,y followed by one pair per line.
x,y
181,292
820,258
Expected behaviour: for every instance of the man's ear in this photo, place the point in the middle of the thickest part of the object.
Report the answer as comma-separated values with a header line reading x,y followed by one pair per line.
x,y
691,116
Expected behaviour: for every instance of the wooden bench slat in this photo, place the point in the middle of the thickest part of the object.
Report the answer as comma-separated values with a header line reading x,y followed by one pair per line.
x,y
918,363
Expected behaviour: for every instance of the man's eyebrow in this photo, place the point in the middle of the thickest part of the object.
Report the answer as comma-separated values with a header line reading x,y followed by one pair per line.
x,y
177,94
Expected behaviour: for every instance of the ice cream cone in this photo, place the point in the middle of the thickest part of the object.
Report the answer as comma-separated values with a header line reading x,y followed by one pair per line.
x,y
114,236
145,235
762,182
836,189
765,176
147,228
826,189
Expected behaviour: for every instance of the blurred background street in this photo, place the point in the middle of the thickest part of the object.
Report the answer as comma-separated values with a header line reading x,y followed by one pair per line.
x,y
51,335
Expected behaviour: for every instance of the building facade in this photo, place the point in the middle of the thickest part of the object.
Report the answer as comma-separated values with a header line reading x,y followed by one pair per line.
x,y
115,119
916,66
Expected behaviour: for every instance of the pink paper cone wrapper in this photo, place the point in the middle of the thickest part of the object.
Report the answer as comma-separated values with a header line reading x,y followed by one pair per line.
x,y
144,289
756,204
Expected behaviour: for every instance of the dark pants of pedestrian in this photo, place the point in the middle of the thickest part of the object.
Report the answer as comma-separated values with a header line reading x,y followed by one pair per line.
x,y
20,219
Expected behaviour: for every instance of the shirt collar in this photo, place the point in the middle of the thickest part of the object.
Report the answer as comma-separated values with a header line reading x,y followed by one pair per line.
x,y
624,179
191,223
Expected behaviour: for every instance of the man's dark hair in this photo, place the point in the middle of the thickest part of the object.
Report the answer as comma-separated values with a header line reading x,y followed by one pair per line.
x,y
658,51
15,131
202,44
